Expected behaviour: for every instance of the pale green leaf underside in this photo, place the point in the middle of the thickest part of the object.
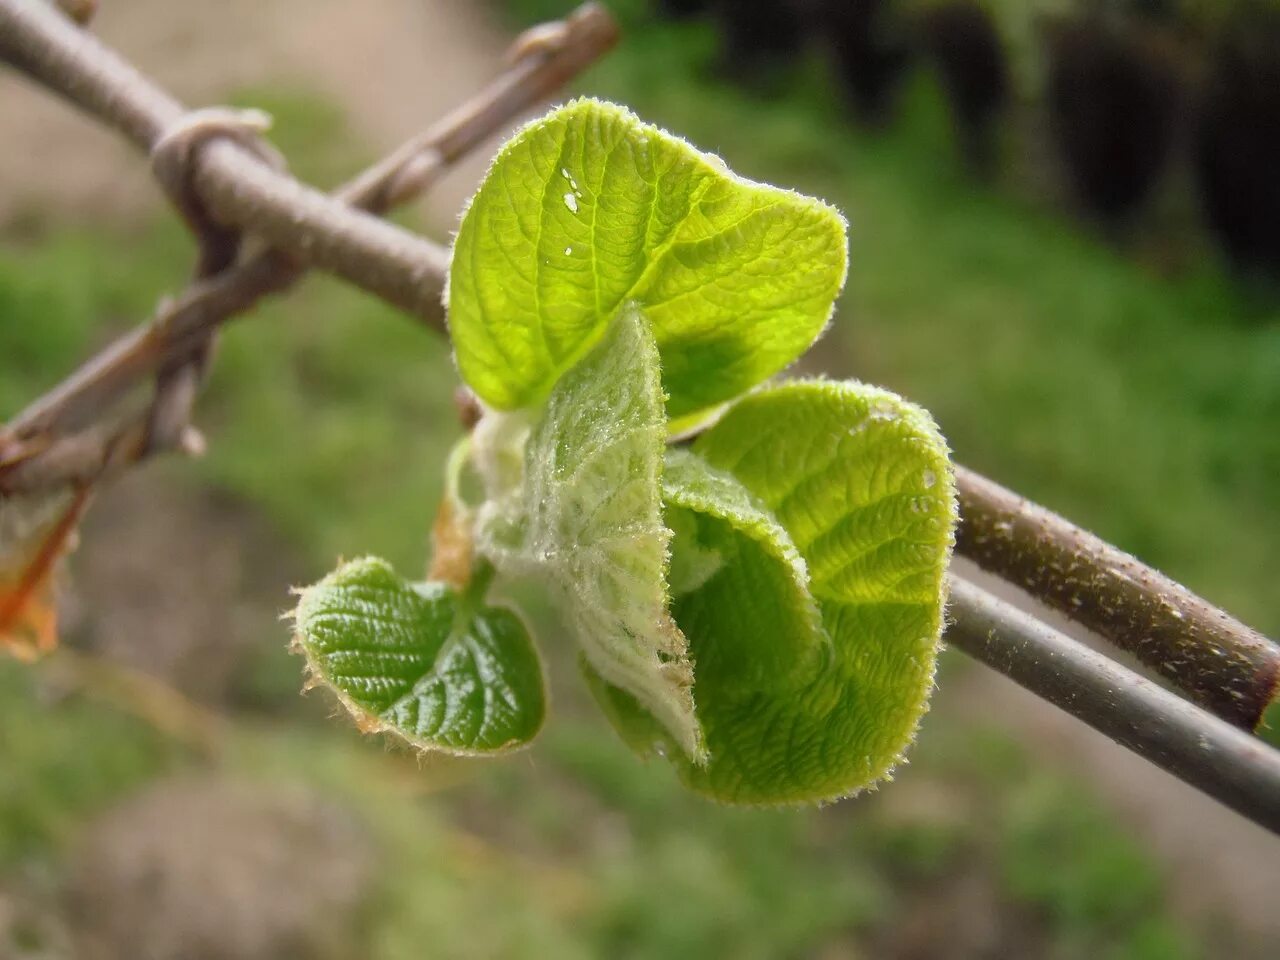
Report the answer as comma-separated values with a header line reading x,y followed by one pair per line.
x,y
413,660
862,484
588,209
586,517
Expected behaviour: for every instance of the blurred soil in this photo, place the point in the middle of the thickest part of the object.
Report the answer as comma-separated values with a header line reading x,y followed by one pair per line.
x,y
260,873
178,583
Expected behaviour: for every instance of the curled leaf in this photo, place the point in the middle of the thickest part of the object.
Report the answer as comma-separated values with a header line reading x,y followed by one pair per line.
x,y
859,483
758,622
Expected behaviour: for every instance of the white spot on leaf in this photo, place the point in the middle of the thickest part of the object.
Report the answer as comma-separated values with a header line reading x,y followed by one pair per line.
x,y
882,411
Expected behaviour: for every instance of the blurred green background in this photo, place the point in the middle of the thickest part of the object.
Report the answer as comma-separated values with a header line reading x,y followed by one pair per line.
x,y
1129,381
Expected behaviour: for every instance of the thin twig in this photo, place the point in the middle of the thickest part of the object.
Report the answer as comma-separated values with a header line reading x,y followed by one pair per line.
x,y
1193,745
535,71
1218,661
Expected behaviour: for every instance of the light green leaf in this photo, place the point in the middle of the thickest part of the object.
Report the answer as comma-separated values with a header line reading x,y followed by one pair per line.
x,y
585,515
756,623
589,209
861,482
421,661
755,617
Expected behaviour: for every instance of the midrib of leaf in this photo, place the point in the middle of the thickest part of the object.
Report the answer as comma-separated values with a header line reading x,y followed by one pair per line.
x,y
466,607
658,261
605,313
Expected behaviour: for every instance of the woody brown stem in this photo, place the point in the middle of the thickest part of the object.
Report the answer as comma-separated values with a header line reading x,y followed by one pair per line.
x,y
1217,660
1226,763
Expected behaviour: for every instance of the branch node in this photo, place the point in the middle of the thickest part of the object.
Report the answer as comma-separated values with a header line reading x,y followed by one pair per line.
x,y
173,157
192,442
172,163
539,40
410,180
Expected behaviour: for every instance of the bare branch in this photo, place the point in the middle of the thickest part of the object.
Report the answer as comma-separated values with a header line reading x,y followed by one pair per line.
x,y
534,72
1231,766
539,63
1225,666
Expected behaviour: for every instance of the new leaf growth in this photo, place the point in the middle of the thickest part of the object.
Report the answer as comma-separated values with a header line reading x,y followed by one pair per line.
x,y
765,607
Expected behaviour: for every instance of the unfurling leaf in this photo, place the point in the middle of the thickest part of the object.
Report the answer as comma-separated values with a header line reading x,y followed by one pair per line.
x,y
589,209
758,586
582,511
36,531
609,287
422,660
861,483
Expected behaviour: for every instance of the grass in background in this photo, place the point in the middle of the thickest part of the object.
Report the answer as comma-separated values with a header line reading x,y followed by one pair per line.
x,y
63,760
576,850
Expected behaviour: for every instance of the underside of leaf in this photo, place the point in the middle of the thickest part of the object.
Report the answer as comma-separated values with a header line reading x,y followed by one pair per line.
x,y
422,661
586,518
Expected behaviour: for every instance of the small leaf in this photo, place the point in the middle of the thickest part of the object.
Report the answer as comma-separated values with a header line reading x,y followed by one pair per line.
x,y
422,661
36,531
588,209
585,514
861,483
